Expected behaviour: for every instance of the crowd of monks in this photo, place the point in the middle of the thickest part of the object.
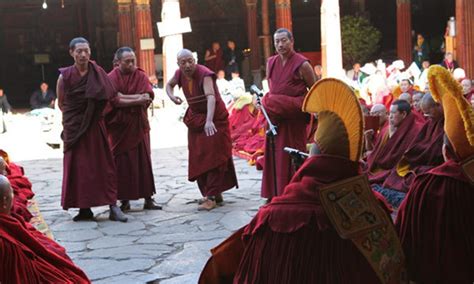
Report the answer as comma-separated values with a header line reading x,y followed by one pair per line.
x,y
384,197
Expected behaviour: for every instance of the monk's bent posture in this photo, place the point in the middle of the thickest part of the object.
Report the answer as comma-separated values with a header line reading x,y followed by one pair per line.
x,y
26,256
129,131
89,177
209,141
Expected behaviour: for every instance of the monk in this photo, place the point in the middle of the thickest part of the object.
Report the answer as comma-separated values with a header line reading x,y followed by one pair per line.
x,y
293,239
129,131
289,76
209,141
370,135
424,153
25,256
89,177
435,222
468,91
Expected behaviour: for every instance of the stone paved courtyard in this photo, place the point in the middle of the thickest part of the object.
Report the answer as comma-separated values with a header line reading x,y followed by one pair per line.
x,y
170,246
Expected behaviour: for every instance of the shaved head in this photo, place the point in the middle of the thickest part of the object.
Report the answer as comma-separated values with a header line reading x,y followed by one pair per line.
x,y
3,166
431,108
380,111
6,195
405,97
186,62
184,53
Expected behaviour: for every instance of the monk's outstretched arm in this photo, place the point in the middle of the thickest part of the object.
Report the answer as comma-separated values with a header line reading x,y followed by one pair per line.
x,y
170,91
209,91
60,91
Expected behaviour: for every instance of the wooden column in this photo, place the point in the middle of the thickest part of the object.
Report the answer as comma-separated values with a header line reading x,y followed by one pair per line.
x,y
404,44
267,38
465,35
144,45
125,32
283,14
253,40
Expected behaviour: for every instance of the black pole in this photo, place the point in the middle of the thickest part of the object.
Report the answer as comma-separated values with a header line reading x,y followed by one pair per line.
x,y
271,134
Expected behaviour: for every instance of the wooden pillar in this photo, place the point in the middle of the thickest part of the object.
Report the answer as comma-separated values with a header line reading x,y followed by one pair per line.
x,y
144,45
465,35
331,46
253,40
283,14
125,33
404,44
267,38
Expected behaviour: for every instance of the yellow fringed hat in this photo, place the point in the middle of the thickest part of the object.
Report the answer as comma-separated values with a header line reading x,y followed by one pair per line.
x,y
340,119
458,113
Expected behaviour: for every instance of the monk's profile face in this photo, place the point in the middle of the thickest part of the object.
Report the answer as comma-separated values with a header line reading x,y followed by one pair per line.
x,y
432,110
396,117
466,86
417,100
283,44
81,53
127,62
187,64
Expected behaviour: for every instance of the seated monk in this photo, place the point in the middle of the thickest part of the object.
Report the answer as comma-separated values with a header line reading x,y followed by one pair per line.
x,y
21,190
435,222
419,116
416,105
425,151
241,117
23,257
404,87
370,135
390,146
296,238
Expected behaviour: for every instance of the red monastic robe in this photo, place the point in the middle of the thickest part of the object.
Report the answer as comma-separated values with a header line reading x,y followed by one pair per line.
x,y
216,64
210,157
241,121
129,137
388,151
423,154
26,257
22,190
436,226
291,240
283,104
89,177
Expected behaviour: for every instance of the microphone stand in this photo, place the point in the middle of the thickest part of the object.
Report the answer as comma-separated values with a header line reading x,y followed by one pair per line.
x,y
271,133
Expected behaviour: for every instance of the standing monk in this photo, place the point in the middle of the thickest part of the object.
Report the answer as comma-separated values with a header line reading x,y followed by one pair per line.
x,y
129,131
89,177
289,76
209,141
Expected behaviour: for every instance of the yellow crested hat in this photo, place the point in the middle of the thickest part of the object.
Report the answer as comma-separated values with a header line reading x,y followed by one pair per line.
x,y
458,113
340,119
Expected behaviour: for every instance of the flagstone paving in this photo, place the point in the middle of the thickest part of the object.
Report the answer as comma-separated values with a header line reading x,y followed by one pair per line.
x,y
169,246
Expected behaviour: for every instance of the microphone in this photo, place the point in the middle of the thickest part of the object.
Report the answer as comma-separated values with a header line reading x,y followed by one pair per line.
x,y
254,90
296,153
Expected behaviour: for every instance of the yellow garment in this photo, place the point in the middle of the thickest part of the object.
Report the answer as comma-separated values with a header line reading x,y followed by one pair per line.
x,y
242,101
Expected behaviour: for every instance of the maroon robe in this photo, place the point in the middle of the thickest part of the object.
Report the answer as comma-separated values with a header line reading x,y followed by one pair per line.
x,y
26,257
283,104
210,157
89,177
436,226
423,154
291,240
388,151
217,63
129,137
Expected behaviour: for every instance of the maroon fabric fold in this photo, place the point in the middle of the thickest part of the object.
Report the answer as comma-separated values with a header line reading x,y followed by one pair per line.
x,y
283,105
84,99
386,155
423,154
206,153
89,177
25,259
436,226
129,136
291,240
